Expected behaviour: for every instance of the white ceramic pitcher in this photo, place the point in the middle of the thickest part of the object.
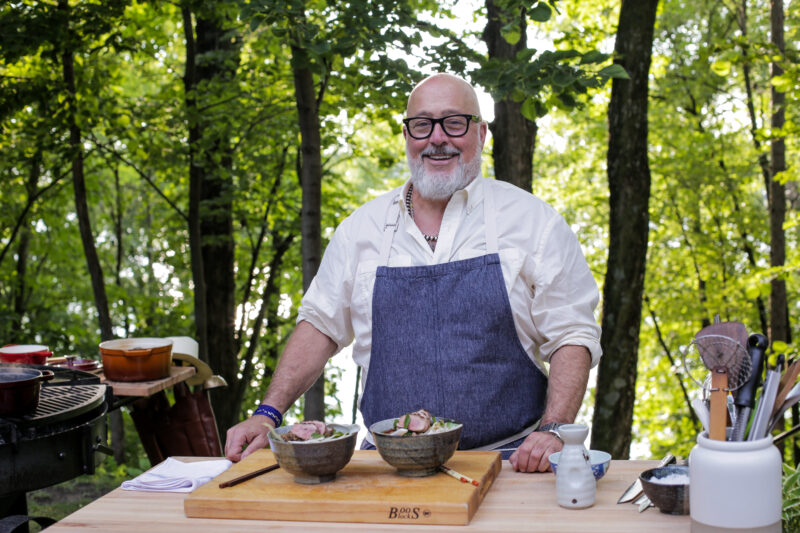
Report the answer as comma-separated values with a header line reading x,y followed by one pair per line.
x,y
575,483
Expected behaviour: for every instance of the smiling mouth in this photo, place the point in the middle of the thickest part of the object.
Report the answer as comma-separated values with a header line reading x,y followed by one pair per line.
x,y
440,157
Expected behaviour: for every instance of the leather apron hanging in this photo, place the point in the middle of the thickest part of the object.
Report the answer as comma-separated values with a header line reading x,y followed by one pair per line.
x,y
443,339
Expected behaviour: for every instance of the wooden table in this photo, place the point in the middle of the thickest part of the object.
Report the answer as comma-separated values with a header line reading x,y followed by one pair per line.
x,y
516,502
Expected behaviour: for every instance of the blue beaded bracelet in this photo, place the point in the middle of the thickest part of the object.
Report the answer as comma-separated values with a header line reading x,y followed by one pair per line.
x,y
271,412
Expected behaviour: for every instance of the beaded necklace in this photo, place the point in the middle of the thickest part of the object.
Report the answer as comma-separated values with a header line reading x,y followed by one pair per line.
x,y
410,207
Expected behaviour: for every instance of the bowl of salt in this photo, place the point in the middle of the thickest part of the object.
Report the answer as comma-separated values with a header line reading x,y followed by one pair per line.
x,y
668,488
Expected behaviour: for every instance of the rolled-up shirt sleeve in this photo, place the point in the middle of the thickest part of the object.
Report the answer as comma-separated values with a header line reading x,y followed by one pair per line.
x,y
326,303
565,293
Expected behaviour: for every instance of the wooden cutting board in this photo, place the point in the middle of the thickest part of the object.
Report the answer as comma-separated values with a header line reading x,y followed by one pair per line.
x,y
367,490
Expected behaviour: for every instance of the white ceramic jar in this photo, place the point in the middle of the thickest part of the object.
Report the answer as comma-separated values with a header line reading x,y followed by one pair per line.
x,y
735,486
575,483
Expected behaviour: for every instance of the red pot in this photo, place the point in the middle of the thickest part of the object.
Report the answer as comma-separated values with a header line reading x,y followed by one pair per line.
x,y
136,359
28,354
19,389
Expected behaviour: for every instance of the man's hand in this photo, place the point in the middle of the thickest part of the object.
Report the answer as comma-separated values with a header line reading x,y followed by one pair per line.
x,y
532,454
251,433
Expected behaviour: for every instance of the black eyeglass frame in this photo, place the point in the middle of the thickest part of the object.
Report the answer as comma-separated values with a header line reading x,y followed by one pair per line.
x,y
440,121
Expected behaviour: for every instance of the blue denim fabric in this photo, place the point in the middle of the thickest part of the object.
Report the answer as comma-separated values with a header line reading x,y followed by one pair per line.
x,y
443,339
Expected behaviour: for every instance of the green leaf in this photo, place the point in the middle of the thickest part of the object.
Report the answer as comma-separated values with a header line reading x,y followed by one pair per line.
x,y
614,71
541,12
533,109
563,78
782,83
594,56
721,67
780,346
511,33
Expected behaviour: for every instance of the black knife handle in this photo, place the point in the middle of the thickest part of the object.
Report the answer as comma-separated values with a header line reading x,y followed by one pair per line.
x,y
757,347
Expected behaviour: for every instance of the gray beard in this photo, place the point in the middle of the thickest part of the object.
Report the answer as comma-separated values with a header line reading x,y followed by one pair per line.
x,y
442,185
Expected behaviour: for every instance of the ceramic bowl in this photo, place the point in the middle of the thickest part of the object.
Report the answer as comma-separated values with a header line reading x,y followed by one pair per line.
x,y
417,455
600,461
315,462
668,488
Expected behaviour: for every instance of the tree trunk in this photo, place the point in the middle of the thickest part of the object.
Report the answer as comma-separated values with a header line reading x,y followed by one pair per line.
x,y
779,311
211,202
310,213
79,185
629,187
20,286
198,279
514,136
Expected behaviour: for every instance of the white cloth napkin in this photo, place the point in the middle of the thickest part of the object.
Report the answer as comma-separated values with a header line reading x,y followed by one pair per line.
x,y
176,476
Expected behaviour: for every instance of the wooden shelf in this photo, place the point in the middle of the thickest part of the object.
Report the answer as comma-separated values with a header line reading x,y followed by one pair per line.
x,y
148,388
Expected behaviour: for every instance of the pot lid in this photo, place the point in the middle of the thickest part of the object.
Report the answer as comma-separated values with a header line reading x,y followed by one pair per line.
x,y
24,349
14,374
135,343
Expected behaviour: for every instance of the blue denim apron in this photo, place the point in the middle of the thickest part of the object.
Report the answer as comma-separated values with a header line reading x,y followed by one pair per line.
x,y
443,339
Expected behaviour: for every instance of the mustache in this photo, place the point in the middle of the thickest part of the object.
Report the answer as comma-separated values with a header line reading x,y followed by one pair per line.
x,y
440,150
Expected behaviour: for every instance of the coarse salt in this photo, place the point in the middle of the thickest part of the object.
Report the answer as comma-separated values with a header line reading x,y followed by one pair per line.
x,y
671,479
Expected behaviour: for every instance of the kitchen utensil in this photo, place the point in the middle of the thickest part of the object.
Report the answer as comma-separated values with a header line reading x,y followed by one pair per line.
x,y
246,477
791,398
667,488
598,459
461,477
19,390
785,385
744,397
701,410
635,490
27,354
758,430
418,455
318,461
136,359
645,504
721,348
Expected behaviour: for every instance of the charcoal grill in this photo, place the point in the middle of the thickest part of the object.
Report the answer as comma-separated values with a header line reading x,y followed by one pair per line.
x,y
57,442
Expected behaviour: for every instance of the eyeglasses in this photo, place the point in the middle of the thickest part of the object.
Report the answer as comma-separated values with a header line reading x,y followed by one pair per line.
x,y
452,125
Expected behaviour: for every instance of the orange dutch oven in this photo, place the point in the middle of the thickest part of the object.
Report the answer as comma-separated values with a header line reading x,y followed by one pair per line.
x,y
136,359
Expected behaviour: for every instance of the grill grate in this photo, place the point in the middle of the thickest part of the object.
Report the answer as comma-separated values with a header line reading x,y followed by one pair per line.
x,y
63,403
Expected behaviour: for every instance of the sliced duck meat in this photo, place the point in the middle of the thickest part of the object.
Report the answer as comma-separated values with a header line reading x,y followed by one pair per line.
x,y
322,429
417,422
306,430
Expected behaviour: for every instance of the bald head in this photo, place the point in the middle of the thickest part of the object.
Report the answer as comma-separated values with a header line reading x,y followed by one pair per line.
x,y
442,94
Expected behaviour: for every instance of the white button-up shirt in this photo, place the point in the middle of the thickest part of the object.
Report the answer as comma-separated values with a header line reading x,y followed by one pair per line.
x,y
550,288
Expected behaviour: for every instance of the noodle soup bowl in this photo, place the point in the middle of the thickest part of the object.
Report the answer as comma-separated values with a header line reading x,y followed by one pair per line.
x,y
416,455
315,461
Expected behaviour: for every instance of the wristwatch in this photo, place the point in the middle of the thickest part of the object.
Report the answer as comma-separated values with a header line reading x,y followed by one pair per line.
x,y
551,428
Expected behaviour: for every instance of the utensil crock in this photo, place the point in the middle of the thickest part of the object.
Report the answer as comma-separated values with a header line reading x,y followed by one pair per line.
x,y
735,486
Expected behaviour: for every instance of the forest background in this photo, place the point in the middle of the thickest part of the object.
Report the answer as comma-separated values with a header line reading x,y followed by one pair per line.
x,y
176,168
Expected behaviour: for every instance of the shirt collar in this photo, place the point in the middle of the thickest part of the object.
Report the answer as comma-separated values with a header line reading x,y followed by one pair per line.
x,y
473,192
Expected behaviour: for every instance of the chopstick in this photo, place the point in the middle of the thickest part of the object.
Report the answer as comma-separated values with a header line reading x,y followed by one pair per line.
x,y
460,477
245,477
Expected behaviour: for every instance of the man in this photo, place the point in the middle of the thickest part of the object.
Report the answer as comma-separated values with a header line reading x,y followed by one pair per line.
x,y
457,290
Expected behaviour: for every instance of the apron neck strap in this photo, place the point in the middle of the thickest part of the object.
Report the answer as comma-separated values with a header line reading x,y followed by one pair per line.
x,y
489,217
390,226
